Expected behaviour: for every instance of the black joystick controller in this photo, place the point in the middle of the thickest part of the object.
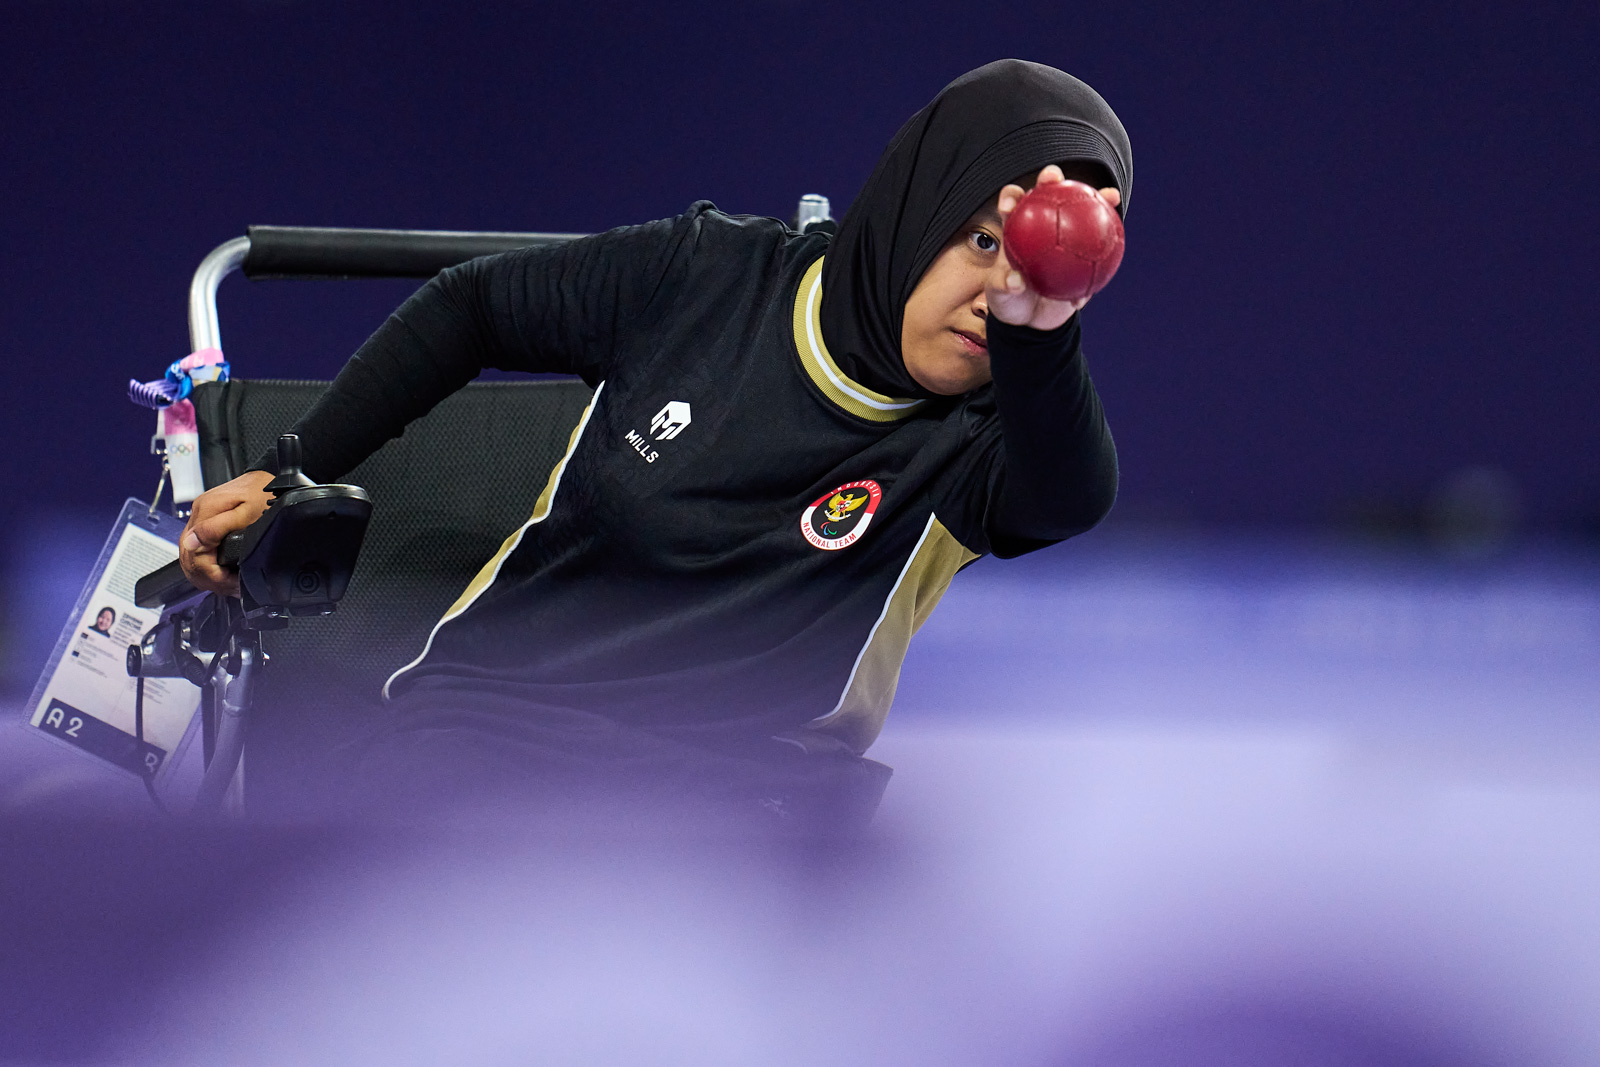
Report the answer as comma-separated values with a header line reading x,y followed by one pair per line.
x,y
297,558
289,476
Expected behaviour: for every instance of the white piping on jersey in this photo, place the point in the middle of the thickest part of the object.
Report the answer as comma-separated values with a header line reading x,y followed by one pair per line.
x,y
464,602
825,361
888,600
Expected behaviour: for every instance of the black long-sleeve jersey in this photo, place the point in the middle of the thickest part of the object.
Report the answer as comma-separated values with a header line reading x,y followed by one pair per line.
x,y
739,536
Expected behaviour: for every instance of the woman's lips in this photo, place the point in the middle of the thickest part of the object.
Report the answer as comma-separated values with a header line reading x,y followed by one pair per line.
x,y
973,343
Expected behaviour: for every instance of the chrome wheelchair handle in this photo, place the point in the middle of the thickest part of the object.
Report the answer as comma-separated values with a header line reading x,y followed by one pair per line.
x,y
223,260
334,252
337,252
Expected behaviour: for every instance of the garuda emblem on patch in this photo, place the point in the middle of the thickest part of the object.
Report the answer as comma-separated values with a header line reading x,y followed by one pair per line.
x,y
840,516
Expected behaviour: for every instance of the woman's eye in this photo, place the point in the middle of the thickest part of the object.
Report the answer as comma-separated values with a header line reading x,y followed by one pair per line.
x,y
984,242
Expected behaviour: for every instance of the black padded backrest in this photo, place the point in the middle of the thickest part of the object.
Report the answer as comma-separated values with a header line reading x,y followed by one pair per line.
x,y
445,495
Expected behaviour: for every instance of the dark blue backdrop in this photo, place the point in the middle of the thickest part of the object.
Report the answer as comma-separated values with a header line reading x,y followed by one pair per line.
x,y
1360,238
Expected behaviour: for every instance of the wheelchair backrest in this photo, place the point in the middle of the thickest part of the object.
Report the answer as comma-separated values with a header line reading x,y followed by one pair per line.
x,y
445,494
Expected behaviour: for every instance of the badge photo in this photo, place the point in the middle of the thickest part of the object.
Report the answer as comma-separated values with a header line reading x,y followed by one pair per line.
x,y
840,516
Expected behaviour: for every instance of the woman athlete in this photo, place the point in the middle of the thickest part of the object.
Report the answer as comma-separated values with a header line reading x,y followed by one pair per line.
x,y
795,441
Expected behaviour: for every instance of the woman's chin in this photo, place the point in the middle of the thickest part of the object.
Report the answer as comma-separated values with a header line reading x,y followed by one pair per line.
x,y
962,374
952,371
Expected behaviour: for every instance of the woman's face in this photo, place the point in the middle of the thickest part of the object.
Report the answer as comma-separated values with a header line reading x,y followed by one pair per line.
x,y
942,334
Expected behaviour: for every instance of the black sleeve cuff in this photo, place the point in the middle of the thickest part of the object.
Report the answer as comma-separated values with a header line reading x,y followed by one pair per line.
x,y
1060,465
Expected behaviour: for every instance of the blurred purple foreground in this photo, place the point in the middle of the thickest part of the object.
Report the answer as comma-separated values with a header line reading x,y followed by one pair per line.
x,y
1157,801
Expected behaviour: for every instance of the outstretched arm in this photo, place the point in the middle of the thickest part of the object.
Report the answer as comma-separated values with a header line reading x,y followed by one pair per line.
x,y
1059,476
430,347
558,310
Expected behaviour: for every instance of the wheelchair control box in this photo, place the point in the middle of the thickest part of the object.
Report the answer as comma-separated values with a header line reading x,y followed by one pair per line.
x,y
295,559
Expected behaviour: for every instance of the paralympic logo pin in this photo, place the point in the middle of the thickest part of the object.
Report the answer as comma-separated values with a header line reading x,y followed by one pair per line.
x,y
840,516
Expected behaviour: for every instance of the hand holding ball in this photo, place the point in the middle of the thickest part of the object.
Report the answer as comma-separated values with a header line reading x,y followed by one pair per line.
x,y
1065,240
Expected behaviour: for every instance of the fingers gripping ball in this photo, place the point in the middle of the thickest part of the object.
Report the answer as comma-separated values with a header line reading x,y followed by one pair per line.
x,y
1065,239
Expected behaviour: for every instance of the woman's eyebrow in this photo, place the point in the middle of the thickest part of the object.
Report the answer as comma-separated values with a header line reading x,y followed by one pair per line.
x,y
988,215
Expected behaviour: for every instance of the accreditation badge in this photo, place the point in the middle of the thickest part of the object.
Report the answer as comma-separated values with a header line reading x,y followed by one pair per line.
x,y
85,697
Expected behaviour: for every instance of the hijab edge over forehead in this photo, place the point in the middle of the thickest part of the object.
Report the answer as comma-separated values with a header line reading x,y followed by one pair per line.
x,y
1019,152
984,129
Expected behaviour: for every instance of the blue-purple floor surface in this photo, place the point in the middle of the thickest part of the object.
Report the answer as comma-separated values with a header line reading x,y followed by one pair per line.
x,y
1158,800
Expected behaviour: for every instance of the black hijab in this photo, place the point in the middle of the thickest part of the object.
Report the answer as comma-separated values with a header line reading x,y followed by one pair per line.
x,y
1005,119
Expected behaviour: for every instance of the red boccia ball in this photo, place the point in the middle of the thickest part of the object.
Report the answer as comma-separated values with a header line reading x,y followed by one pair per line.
x,y
1066,241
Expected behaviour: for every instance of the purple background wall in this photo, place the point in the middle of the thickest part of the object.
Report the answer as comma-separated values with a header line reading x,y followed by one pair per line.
x,y
1359,240
1140,776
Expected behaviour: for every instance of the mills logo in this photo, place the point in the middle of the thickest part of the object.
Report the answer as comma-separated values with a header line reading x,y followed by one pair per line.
x,y
668,423
840,516
670,420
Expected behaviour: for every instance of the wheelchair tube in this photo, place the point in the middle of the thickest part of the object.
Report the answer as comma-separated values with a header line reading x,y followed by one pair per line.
x,y
231,723
325,252
223,260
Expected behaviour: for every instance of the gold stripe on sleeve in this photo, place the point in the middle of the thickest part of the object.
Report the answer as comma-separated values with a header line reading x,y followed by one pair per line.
x,y
491,570
864,705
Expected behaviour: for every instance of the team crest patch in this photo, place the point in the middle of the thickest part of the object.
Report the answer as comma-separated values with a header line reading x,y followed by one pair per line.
x,y
840,516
